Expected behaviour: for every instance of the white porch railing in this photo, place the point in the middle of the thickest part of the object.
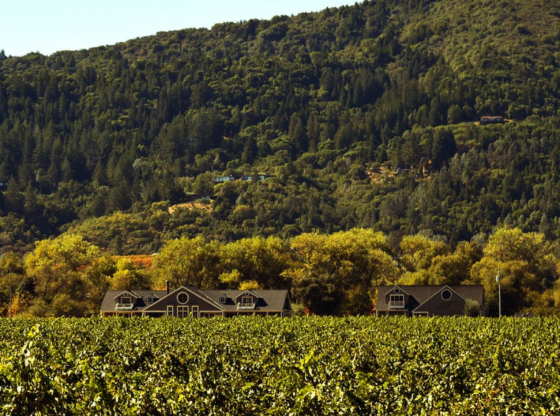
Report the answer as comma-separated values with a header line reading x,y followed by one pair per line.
x,y
124,306
241,306
396,304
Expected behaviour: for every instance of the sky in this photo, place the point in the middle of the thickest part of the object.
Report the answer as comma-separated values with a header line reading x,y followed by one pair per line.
x,y
48,26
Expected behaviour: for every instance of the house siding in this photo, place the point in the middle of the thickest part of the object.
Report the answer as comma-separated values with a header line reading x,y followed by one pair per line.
x,y
427,298
267,302
171,300
440,307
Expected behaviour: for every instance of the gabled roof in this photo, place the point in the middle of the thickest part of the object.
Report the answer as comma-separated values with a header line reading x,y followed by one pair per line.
x,y
268,300
392,288
248,292
424,292
109,301
124,292
421,306
192,290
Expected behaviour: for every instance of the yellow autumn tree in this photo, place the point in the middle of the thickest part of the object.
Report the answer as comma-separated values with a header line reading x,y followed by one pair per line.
x,y
526,264
454,268
260,260
340,273
11,277
58,269
187,262
249,285
418,252
128,277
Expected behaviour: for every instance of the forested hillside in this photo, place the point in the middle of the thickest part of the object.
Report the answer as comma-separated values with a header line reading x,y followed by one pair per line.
x,y
361,116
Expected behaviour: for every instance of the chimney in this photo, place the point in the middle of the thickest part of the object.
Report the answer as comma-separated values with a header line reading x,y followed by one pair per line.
x,y
167,286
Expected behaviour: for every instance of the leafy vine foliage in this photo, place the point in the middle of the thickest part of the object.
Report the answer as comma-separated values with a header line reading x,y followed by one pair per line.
x,y
312,366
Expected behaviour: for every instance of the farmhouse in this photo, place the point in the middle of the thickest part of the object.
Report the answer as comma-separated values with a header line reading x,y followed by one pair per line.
x,y
427,300
191,301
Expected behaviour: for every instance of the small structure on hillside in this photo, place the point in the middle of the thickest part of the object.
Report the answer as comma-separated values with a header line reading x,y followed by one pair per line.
x,y
261,177
399,169
222,179
491,120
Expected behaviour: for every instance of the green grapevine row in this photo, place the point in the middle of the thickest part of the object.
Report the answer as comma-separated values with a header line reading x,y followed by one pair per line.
x,y
298,366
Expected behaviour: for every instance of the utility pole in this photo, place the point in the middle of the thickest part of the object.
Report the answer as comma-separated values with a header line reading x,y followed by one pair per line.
x,y
10,274
499,294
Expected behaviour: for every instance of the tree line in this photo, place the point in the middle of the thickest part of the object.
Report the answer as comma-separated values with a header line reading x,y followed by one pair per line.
x,y
327,274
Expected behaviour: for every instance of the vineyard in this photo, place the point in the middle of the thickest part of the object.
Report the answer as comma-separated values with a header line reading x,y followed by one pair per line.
x,y
298,366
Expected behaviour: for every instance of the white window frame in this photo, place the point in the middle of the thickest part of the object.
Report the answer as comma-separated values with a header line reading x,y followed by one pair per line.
x,y
183,293
129,302
195,311
223,300
394,298
150,299
182,311
450,294
169,310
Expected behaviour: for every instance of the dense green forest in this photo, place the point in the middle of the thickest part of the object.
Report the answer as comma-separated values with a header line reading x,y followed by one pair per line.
x,y
329,104
363,116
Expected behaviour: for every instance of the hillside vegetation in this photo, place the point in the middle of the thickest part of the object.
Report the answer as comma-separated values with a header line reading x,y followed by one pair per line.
x,y
91,139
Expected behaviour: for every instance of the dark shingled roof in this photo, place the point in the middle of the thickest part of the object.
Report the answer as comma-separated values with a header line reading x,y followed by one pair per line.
x,y
268,300
423,292
109,301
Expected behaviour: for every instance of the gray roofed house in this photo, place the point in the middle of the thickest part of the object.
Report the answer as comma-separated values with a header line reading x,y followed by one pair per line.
x,y
191,301
445,300
125,301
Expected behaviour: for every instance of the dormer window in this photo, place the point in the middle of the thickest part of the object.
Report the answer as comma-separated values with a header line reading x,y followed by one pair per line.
x,y
150,299
246,302
223,299
125,303
396,301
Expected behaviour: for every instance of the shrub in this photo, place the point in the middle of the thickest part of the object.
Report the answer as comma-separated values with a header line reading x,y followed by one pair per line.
x,y
472,308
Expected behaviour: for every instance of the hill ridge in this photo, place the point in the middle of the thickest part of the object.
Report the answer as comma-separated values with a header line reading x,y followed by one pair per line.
x,y
316,99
